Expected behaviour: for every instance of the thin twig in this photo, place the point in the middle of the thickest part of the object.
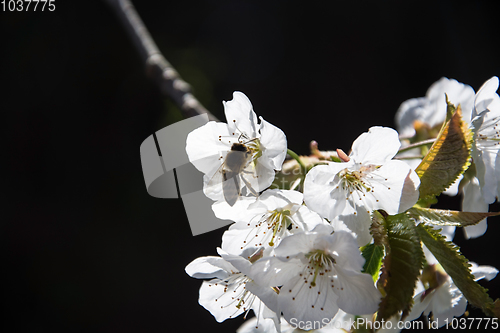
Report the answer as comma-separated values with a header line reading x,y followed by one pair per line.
x,y
417,144
408,157
157,67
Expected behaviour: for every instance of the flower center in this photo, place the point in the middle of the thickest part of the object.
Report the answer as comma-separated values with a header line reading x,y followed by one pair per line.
x,y
256,149
241,297
353,180
488,136
319,263
278,221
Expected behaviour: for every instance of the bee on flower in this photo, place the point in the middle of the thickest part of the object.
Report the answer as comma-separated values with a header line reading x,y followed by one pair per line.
x,y
238,158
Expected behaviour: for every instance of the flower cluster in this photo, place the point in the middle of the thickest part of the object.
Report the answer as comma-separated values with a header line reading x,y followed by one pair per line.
x,y
309,252
417,117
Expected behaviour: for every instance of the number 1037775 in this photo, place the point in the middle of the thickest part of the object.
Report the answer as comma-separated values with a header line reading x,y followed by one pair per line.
x,y
471,323
28,5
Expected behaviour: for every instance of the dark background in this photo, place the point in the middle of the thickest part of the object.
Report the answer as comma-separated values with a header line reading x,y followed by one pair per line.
x,y
84,247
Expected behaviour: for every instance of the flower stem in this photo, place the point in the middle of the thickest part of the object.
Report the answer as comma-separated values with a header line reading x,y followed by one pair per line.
x,y
417,144
296,157
303,168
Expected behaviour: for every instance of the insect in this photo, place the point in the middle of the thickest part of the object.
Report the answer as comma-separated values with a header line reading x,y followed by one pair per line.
x,y
232,169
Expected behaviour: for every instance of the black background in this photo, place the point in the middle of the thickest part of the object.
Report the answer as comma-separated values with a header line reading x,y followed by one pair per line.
x,y
84,247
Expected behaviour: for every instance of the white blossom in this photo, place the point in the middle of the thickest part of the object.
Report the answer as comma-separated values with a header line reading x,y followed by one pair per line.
x,y
473,201
370,180
486,127
318,273
265,221
431,109
481,107
208,146
441,296
230,292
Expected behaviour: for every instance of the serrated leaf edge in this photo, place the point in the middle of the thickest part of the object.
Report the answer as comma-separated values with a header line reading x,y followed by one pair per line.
x,y
426,215
468,138
489,308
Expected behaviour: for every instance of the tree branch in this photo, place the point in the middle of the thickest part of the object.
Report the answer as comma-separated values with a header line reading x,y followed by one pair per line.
x,y
157,67
417,144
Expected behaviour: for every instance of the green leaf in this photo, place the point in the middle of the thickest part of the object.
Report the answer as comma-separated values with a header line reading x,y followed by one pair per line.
x,y
444,217
447,159
401,266
457,267
373,255
377,229
450,109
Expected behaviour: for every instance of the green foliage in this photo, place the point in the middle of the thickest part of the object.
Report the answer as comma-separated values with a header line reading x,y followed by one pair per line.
x,y
373,255
444,217
377,229
457,267
401,266
446,160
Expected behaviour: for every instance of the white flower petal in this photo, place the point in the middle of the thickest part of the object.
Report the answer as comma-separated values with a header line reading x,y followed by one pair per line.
x,y
263,177
458,94
408,112
319,184
485,97
340,226
241,264
276,199
347,252
486,146
218,298
268,307
273,272
254,325
447,302
274,142
429,257
453,189
485,167
387,185
431,109
240,116
456,311
204,148
376,146
358,220
356,291
300,242
307,219
419,305
410,193
473,202
209,267
224,211
477,230
483,271
237,239
306,303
